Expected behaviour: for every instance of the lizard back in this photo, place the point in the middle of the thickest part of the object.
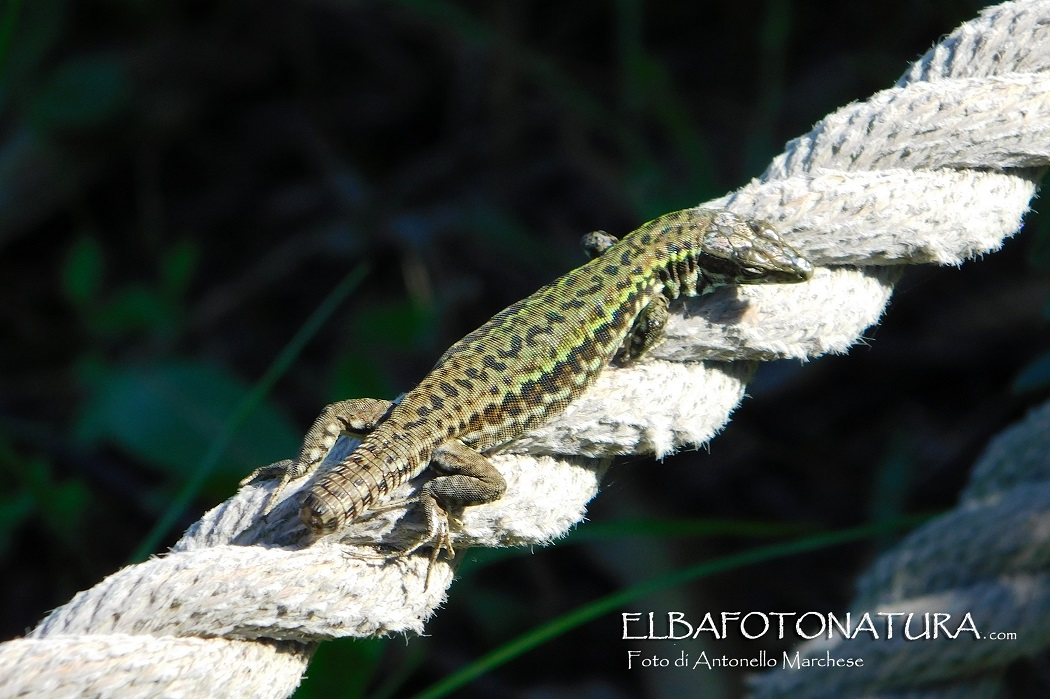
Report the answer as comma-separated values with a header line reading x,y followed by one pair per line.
x,y
529,361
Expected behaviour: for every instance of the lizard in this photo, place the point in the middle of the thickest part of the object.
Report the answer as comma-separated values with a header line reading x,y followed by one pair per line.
x,y
522,368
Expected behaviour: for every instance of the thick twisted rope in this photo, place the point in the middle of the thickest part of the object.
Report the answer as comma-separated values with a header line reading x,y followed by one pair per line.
x,y
938,169
989,557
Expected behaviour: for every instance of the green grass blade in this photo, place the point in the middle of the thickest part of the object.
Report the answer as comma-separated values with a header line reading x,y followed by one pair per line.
x,y
610,603
273,373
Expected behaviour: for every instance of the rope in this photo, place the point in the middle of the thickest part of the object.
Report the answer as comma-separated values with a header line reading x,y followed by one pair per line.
x,y
938,169
990,556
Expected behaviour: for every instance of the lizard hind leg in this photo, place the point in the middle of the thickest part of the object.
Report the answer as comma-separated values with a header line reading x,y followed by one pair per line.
x,y
463,478
356,417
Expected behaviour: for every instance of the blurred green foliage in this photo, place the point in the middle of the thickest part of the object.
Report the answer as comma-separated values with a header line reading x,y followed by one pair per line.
x,y
60,506
158,309
343,668
166,414
89,92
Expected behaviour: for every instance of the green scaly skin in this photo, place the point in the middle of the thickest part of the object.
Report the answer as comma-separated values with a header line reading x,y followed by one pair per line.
x,y
523,367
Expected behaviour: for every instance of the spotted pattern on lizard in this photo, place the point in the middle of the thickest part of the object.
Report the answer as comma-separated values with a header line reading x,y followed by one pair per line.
x,y
524,366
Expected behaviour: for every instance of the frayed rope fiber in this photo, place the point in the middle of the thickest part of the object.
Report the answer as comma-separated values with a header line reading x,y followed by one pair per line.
x,y
989,557
939,168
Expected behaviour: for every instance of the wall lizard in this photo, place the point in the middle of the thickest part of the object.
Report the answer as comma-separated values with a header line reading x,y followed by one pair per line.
x,y
523,367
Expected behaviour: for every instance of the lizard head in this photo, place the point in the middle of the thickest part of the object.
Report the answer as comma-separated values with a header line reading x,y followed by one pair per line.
x,y
744,251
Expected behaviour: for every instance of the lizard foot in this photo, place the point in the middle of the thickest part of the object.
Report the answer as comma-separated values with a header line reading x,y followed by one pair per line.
x,y
286,470
437,536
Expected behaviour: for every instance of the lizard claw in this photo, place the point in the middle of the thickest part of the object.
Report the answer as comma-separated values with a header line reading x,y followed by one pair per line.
x,y
437,536
286,470
263,473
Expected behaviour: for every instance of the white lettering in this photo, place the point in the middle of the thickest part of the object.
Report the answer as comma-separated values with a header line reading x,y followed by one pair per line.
x,y
708,624
967,625
675,618
926,628
889,621
798,625
865,625
630,616
726,618
765,625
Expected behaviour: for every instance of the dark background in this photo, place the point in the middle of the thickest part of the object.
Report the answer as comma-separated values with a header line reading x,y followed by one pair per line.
x,y
183,183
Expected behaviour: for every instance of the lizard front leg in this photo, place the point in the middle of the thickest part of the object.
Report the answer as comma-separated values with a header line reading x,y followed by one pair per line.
x,y
595,243
648,329
356,417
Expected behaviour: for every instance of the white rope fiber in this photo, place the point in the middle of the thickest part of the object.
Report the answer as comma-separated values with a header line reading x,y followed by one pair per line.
x,y
990,556
939,168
